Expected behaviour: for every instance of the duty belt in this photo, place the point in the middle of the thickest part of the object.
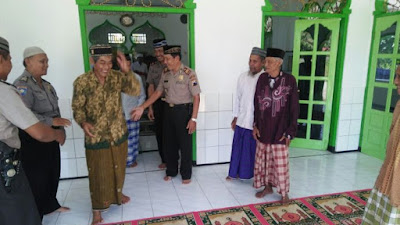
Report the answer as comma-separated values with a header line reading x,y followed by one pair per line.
x,y
9,164
180,105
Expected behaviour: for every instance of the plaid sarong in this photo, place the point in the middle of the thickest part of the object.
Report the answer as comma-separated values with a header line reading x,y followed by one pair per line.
x,y
272,167
380,211
133,141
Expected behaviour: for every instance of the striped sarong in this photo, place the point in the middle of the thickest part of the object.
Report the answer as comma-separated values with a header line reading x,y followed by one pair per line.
x,y
133,141
243,154
272,167
380,211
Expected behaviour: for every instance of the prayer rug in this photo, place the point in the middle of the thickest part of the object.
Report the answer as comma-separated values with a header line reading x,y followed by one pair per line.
x,y
340,208
240,215
295,212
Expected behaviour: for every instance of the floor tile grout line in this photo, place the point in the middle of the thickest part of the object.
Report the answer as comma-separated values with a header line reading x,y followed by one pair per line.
x,y
224,182
65,199
202,190
176,192
148,190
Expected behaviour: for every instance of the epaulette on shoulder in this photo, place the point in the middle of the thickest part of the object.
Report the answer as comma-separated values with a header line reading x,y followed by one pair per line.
x,y
187,70
24,79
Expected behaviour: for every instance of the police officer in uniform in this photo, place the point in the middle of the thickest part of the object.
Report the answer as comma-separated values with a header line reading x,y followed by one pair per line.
x,y
42,167
157,108
182,94
17,204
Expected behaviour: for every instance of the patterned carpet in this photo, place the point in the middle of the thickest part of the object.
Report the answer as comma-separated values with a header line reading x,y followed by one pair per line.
x,y
340,208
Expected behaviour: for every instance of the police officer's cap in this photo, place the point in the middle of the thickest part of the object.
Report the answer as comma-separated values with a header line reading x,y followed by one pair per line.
x,y
158,43
31,51
275,52
172,49
4,45
101,50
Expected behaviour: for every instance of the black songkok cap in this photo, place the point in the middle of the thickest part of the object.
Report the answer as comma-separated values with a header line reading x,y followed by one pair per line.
x,y
275,52
158,43
4,44
171,49
100,50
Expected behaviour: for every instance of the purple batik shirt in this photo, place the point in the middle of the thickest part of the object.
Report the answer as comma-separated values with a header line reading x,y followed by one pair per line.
x,y
276,109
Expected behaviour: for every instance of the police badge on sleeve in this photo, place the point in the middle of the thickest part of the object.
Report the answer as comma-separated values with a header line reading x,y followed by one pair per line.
x,y
22,90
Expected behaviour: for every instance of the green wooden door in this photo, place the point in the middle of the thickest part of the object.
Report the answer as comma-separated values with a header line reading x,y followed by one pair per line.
x,y
381,95
314,64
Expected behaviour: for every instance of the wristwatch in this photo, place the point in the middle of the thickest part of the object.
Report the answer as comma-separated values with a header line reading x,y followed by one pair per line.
x,y
193,119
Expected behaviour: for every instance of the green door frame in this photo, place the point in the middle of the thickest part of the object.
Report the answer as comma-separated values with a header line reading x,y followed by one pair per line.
x,y
268,10
188,8
380,12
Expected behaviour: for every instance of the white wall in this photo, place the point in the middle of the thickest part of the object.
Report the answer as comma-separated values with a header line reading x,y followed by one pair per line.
x,y
27,23
31,23
355,74
226,31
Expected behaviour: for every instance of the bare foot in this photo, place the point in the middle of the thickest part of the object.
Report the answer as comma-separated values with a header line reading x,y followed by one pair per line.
x,y
228,178
125,199
267,190
187,181
63,209
285,199
133,165
167,178
162,166
97,219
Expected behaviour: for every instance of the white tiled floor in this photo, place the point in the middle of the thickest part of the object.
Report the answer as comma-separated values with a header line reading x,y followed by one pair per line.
x,y
311,173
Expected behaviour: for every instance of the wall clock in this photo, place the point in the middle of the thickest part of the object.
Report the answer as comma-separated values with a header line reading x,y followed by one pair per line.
x,y
126,20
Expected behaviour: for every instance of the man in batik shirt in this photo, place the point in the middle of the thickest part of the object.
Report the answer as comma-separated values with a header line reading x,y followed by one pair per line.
x,y
97,108
276,109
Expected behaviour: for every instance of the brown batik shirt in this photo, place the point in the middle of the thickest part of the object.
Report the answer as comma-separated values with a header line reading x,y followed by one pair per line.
x,y
100,105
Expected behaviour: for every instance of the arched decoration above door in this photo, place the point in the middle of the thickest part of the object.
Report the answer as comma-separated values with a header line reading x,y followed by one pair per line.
x,y
315,56
325,6
140,38
108,33
188,4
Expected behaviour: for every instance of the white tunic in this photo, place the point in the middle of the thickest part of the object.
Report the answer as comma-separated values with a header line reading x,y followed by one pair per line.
x,y
243,107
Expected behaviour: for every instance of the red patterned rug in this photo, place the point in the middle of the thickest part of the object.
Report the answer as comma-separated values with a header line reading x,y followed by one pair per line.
x,y
340,208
